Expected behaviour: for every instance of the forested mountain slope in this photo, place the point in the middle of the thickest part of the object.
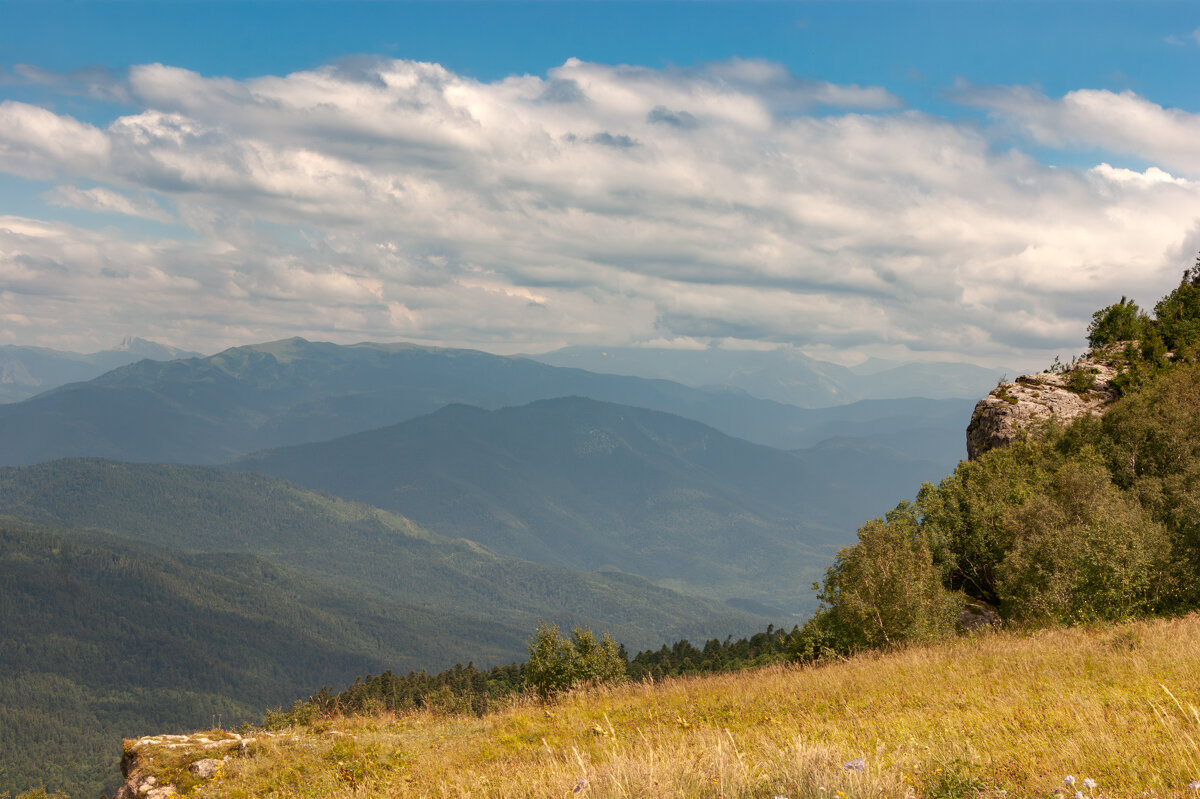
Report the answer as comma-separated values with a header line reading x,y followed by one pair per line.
x,y
586,484
143,596
492,602
105,638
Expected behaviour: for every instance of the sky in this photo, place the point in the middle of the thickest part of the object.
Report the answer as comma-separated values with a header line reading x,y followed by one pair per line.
x,y
962,181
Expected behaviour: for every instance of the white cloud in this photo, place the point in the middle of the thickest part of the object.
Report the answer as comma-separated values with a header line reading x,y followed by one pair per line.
x,y
104,200
1123,123
598,204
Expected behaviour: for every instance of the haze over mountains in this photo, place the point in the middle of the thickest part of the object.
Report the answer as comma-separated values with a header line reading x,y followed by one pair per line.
x,y
784,374
644,507
210,410
27,371
589,484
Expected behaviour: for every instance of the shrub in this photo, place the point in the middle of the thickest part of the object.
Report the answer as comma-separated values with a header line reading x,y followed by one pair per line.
x,y
557,664
1120,322
885,590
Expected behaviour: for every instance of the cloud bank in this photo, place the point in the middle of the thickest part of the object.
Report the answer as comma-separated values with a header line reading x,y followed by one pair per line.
x,y
731,202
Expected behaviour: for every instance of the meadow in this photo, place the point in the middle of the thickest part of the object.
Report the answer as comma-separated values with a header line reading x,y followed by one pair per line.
x,y
1092,710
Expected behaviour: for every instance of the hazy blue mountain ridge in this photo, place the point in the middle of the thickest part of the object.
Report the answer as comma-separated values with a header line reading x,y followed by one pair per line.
x,y
484,597
28,371
210,410
586,484
784,374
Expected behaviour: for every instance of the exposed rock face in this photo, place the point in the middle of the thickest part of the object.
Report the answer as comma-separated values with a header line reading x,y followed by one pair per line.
x,y
159,766
205,751
1010,409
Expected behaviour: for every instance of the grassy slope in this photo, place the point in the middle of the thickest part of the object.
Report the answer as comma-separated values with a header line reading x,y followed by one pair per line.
x,y
1005,712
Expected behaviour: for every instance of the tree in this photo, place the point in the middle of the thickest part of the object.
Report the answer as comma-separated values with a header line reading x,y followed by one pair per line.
x,y
1122,321
557,664
885,590
1178,313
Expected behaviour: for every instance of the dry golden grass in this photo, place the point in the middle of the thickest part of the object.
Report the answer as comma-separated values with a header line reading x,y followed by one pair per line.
x,y
1002,714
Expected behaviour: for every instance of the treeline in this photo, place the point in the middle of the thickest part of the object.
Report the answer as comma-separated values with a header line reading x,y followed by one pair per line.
x,y
470,690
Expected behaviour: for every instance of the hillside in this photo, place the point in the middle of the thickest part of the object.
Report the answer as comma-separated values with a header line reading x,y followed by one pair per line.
x,y
105,638
586,484
489,600
210,410
141,596
999,715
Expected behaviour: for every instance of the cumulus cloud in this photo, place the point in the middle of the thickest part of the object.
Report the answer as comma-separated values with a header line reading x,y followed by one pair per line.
x,y
1123,123
384,199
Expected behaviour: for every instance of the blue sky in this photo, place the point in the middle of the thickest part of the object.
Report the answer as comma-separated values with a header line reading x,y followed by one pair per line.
x,y
918,49
962,180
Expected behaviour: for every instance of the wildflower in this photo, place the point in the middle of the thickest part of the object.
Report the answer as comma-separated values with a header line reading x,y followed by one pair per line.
x,y
1079,795
857,764
1194,785
1090,784
579,786
1069,780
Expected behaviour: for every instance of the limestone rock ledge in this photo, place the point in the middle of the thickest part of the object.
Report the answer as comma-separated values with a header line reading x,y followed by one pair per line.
x,y
1008,412
160,766
157,766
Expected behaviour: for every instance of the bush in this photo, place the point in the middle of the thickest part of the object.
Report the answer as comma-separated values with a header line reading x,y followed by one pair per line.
x,y
557,664
1085,551
885,590
1120,322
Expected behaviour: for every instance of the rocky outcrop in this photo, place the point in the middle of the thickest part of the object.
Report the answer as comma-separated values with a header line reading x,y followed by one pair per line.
x,y
1008,412
159,766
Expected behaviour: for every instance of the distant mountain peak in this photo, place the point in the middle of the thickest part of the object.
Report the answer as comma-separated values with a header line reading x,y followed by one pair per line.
x,y
135,345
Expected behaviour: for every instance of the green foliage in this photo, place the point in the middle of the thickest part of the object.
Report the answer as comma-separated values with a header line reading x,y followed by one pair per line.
x,y
1122,321
1081,380
1085,551
1178,314
1099,520
966,518
557,664
885,590
460,690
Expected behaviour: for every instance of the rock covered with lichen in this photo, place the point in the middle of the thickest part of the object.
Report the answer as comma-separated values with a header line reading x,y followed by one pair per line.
x,y
159,766
1064,394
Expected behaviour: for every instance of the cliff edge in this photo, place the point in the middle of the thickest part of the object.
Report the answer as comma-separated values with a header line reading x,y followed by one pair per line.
x,y
1007,413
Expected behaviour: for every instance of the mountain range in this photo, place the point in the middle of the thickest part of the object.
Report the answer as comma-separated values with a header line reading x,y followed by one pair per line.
x,y
27,371
784,374
211,410
157,568
587,484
